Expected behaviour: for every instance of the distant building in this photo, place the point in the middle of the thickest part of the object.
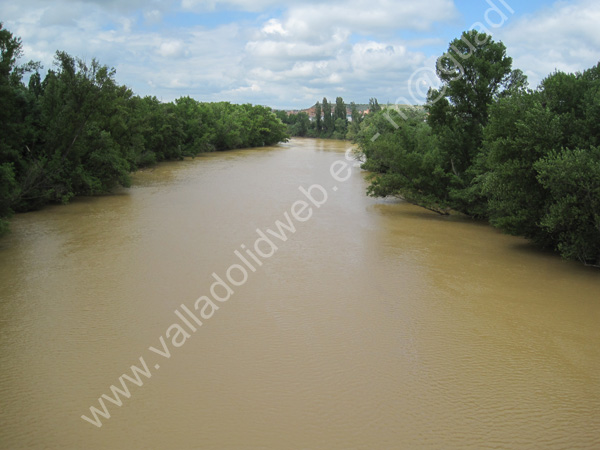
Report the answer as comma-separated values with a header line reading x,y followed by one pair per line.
x,y
363,110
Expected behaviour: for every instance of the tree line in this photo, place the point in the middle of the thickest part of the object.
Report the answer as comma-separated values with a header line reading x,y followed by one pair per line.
x,y
76,131
486,145
330,121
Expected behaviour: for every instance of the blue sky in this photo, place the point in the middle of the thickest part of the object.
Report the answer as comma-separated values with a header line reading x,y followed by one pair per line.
x,y
289,54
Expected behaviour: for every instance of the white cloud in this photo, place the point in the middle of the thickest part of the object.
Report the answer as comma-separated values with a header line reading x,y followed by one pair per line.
x,y
245,89
364,16
306,53
275,27
562,37
295,49
153,16
171,49
373,56
292,57
244,5
312,45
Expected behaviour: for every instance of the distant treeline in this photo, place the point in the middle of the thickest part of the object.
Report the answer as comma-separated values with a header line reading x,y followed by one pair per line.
x,y
329,121
77,132
489,147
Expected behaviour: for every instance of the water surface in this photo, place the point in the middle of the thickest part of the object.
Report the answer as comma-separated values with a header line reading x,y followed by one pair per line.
x,y
376,325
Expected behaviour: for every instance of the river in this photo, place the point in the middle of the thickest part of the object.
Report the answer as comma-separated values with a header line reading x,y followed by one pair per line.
x,y
374,325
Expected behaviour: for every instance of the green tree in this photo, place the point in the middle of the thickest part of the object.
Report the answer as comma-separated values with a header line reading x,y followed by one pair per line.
x,y
340,109
374,105
528,138
520,131
572,216
354,114
340,129
474,71
162,131
354,125
266,127
77,132
328,124
404,160
10,117
301,125
318,113
8,190
79,153
281,115
340,119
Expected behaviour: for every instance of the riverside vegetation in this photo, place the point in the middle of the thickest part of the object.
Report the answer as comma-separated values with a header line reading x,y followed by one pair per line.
x,y
339,121
78,132
484,145
487,146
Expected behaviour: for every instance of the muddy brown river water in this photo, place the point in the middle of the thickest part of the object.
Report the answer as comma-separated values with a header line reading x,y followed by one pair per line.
x,y
373,325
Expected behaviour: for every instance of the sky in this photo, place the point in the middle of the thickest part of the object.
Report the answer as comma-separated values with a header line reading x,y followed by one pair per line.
x,y
289,54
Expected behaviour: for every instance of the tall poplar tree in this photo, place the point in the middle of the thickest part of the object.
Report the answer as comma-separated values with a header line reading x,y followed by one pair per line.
x,y
318,120
327,119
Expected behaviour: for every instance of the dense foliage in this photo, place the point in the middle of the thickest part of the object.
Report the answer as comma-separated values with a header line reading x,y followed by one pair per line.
x,y
339,121
77,132
487,146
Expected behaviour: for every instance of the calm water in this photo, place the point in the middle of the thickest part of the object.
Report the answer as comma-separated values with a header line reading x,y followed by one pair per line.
x,y
375,325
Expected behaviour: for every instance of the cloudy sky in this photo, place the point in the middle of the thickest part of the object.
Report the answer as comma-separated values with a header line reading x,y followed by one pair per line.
x,y
288,54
